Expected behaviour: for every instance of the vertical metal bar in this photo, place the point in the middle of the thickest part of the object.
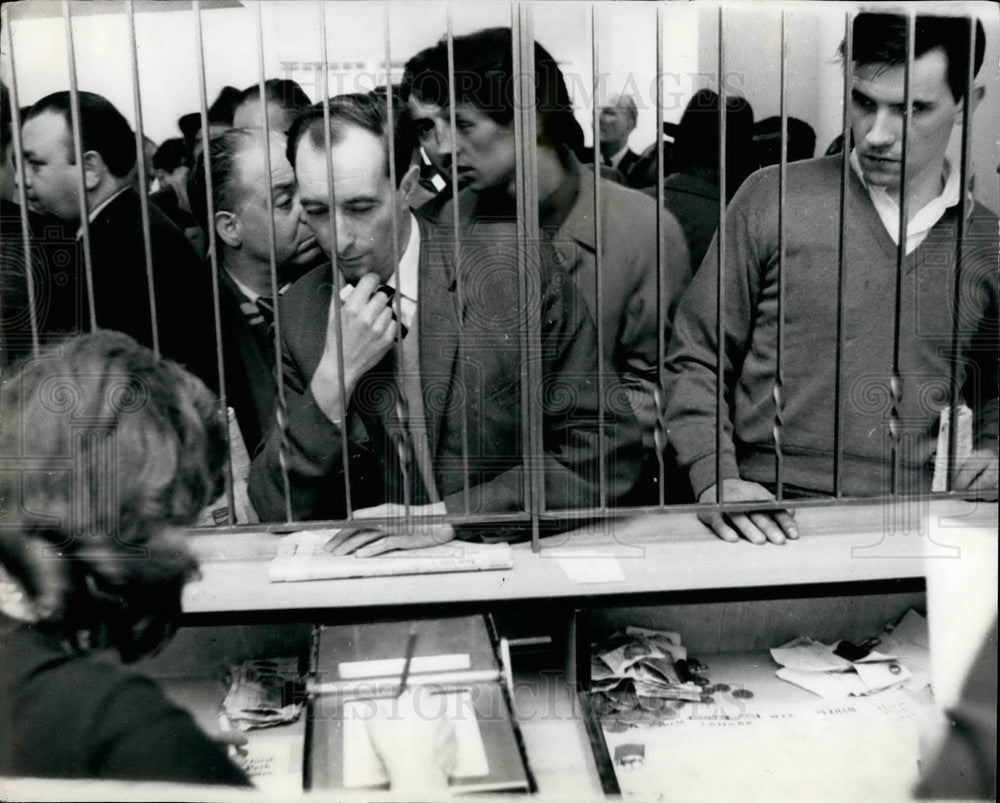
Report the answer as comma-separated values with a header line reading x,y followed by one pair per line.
x,y
140,153
659,433
456,250
273,257
779,380
22,192
964,167
598,277
213,257
896,382
74,110
845,161
522,43
402,405
720,343
338,280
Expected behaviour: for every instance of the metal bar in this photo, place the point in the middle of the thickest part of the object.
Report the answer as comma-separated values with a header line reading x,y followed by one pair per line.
x,y
528,234
838,391
965,168
213,256
338,280
896,381
659,431
598,277
140,153
22,193
75,124
402,406
273,257
778,428
720,343
456,248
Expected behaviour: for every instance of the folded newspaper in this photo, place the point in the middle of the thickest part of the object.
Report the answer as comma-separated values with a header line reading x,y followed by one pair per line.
x,y
305,556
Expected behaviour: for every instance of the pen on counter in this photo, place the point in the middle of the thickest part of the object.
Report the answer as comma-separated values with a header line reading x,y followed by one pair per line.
x,y
411,643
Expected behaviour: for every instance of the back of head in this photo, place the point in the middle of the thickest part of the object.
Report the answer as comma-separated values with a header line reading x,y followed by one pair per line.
x,y
103,129
122,449
368,111
170,155
882,39
283,92
696,143
484,77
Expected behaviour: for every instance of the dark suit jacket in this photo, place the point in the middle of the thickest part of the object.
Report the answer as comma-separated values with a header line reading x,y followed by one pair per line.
x,y
250,367
620,173
183,286
484,381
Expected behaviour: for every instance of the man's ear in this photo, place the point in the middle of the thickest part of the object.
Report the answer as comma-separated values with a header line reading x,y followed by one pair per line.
x,y
94,169
228,227
977,95
410,182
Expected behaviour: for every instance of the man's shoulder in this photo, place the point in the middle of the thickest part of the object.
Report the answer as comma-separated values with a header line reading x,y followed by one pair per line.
x,y
312,290
808,178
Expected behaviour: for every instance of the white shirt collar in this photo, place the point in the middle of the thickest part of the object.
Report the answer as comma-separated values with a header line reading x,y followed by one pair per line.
x,y
409,274
617,158
101,207
924,220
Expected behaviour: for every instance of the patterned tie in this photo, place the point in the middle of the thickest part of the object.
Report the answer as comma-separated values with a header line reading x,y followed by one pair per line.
x,y
390,292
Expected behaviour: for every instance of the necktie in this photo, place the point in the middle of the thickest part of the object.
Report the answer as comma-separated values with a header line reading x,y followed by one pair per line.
x,y
389,293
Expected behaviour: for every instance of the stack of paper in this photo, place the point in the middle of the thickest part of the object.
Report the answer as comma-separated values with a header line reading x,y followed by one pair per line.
x,y
634,674
305,556
261,694
817,668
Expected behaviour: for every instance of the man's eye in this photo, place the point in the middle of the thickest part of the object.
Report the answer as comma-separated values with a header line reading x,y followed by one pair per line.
x,y
360,209
316,211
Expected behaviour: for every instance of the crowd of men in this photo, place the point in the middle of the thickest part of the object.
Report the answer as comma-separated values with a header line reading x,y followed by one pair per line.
x,y
373,354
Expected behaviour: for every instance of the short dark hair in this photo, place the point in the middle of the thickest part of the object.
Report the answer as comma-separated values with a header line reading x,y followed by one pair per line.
x,y
283,91
102,128
173,153
108,572
223,152
484,77
882,39
367,111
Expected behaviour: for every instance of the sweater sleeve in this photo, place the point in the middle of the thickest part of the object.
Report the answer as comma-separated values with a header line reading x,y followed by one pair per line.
x,y
691,363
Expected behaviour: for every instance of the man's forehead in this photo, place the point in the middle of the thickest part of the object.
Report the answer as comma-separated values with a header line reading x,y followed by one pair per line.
x,y
358,161
930,73
48,126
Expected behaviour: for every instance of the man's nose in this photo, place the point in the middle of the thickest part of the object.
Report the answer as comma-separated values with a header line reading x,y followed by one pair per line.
x,y
885,129
443,141
345,235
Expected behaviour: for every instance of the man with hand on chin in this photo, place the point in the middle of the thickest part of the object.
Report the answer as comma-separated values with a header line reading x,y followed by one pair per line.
x,y
411,397
809,308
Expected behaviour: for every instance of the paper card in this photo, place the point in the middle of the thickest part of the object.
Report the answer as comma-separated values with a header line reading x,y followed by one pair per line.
x,y
877,677
387,667
808,655
963,444
589,566
362,766
828,685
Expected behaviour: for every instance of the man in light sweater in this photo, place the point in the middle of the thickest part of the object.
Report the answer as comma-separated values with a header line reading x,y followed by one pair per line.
x,y
809,275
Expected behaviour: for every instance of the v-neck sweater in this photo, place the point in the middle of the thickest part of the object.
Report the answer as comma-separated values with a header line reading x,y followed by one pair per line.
x,y
809,345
